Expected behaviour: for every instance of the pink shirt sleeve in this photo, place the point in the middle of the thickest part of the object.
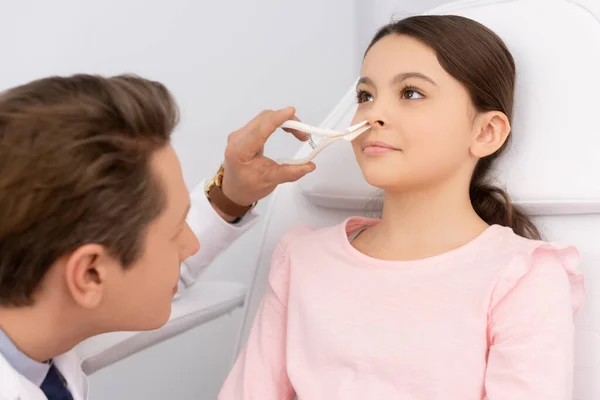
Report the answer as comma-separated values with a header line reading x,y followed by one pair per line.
x,y
531,327
260,371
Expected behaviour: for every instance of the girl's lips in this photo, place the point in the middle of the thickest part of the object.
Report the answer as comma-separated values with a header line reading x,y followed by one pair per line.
x,y
377,147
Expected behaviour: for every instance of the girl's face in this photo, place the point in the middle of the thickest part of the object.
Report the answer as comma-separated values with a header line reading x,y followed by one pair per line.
x,y
423,122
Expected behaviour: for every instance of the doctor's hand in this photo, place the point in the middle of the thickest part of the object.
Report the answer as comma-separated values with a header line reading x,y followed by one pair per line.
x,y
250,176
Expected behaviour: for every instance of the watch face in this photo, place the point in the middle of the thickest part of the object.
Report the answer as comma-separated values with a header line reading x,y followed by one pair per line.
x,y
217,175
210,183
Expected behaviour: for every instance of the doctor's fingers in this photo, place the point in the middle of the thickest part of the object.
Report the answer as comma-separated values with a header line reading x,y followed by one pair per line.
x,y
279,174
249,141
302,136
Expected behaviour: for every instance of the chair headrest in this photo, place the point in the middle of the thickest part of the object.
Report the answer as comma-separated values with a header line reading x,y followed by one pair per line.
x,y
553,163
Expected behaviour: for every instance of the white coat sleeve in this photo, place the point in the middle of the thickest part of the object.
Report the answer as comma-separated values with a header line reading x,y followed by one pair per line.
x,y
214,234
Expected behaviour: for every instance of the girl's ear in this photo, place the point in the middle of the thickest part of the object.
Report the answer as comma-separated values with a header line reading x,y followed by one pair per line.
x,y
491,131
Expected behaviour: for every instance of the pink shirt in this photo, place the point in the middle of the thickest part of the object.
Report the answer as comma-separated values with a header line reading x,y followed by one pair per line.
x,y
492,319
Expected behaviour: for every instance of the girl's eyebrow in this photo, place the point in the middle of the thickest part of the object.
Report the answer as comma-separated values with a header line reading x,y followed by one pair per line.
x,y
398,78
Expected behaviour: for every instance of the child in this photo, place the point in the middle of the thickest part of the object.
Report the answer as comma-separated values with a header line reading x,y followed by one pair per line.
x,y
451,294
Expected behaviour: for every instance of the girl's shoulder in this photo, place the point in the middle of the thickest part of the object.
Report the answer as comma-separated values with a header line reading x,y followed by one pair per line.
x,y
546,261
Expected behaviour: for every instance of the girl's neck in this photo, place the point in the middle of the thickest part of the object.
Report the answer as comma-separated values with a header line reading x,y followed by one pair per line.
x,y
421,224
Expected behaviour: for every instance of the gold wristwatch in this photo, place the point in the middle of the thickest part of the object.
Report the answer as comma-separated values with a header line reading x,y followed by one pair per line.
x,y
215,195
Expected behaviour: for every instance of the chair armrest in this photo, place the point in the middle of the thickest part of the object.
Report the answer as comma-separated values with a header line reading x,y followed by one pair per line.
x,y
195,306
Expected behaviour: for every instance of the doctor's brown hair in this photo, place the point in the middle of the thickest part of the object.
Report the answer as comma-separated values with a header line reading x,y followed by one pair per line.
x,y
479,59
75,169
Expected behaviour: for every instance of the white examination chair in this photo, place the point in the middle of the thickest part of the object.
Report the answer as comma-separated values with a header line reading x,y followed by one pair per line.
x,y
552,168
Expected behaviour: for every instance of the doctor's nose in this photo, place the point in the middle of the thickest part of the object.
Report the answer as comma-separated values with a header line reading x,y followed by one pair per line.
x,y
189,245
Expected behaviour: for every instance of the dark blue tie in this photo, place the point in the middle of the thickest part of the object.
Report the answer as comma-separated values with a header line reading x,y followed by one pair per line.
x,y
54,386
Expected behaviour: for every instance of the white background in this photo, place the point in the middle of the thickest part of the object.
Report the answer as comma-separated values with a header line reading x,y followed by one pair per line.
x,y
224,61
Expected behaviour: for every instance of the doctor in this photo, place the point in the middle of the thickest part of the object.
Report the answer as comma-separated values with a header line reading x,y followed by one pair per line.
x,y
95,223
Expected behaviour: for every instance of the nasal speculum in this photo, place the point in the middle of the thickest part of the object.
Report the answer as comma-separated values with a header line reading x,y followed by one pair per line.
x,y
328,136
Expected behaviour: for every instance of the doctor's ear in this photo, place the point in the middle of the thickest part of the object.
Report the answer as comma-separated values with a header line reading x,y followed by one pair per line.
x,y
86,274
491,131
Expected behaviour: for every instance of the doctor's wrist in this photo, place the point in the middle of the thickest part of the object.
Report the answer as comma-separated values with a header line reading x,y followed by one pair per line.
x,y
223,215
227,209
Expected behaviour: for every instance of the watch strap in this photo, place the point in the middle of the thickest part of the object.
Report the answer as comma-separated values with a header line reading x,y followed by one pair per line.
x,y
222,202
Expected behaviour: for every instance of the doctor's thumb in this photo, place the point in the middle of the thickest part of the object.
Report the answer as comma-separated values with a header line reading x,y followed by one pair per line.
x,y
291,173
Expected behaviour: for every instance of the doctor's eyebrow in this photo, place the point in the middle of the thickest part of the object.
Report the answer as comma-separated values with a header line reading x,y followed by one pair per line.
x,y
398,78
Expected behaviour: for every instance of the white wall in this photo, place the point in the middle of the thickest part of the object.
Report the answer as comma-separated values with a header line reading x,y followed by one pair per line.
x,y
376,13
225,61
